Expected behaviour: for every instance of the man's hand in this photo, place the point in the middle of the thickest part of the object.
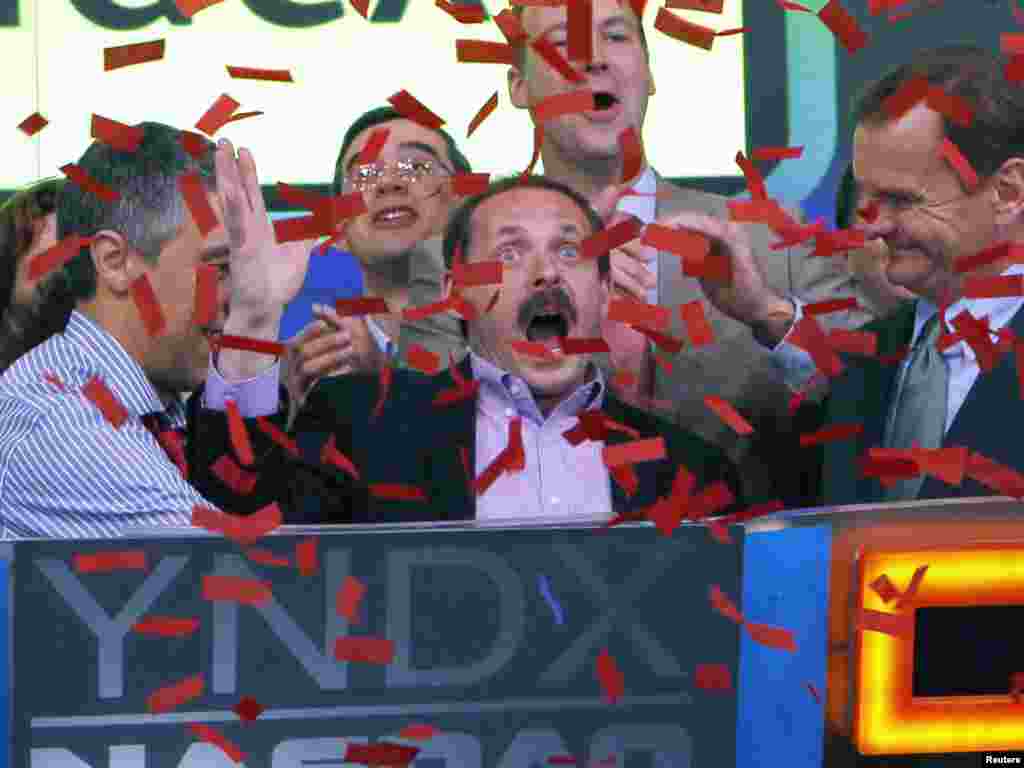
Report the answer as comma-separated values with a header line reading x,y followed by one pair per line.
x,y
264,275
747,296
328,346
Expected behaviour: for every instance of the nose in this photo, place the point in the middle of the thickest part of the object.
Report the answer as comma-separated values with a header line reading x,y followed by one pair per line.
x,y
546,272
389,180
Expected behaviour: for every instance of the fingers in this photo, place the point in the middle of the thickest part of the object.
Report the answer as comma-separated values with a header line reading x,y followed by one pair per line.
x,y
630,284
250,182
631,275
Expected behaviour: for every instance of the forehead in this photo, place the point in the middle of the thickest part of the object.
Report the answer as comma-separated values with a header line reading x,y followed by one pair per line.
x,y
538,212
537,19
400,131
898,153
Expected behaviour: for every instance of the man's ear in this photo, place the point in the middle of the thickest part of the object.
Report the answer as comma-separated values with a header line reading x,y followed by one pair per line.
x,y
517,91
115,261
1008,190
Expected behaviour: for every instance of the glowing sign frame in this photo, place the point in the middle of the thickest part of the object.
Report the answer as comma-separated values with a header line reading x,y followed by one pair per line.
x,y
888,720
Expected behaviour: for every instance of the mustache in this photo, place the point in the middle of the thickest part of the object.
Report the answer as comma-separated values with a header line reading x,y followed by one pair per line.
x,y
555,297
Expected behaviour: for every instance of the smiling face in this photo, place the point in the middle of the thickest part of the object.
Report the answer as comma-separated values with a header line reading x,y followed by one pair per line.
x,y
925,216
400,212
619,74
547,289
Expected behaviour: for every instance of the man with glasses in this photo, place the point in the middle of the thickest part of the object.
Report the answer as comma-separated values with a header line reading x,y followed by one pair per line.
x,y
407,189
937,193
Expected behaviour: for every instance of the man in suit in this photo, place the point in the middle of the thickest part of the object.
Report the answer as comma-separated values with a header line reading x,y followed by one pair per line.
x,y
584,152
930,213
509,418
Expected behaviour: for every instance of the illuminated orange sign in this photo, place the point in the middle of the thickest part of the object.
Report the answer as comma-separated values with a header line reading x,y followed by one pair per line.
x,y
888,718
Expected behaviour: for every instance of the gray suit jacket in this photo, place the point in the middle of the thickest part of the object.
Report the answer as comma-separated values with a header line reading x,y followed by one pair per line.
x,y
735,367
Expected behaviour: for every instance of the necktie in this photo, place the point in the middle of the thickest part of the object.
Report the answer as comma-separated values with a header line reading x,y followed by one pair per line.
x,y
919,414
170,438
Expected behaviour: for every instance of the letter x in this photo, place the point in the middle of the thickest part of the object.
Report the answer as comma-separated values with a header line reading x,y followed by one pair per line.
x,y
566,666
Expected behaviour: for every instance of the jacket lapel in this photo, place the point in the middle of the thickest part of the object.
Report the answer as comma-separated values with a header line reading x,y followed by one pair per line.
x,y
647,481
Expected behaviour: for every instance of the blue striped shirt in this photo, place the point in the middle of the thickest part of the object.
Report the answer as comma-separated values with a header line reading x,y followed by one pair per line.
x,y
65,471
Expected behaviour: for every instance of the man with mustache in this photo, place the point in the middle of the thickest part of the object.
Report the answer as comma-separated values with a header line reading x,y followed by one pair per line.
x,y
525,423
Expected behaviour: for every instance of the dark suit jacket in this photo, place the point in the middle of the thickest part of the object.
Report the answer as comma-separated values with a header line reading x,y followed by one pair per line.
x,y
862,394
411,443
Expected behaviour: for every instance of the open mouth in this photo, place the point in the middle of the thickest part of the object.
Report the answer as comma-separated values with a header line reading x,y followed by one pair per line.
x,y
398,216
547,327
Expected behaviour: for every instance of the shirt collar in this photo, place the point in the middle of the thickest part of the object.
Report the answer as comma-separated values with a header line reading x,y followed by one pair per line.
x,y
120,372
999,311
588,396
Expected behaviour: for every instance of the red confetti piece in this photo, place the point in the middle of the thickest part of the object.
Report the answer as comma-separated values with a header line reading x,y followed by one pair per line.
x,y
729,415
951,153
946,464
423,360
250,73
362,7
243,530
827,307
988,256
976,334
382,754
397,492
33,124
56,256
773,637
571,346
561,760
275,434
991,473
166,626
211,735
535,349
1013,70
907,598
246,344
194,193
634,452
605,240
869,213
484,52
462,13
844,26
105,400
807,335
510,27
119,56
547,51
894,624
571,103
579,35
684,31
610,677
697,326
730,32
411,109
766,211
469,184
190,8
887,468
306,557
242,116
632,154
814,692
906,97
217,115
88,184
54,379
418,732
123,138
236,590
195,144
776,153
413,314
348,598
755,182
831,434
173,696
482,114
706,6
639,313
370,650
863,343
989,287
953,107
148,306
330,454
247,709
382,395
239,435
204,310
478,273
788,6
268,558
714,677
372,305
723,605
104,562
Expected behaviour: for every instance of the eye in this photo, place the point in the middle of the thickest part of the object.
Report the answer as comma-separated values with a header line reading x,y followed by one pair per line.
x,y
508,254
569,252
619,37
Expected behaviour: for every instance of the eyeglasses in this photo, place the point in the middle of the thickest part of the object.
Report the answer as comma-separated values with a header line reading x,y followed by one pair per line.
x,y
422,176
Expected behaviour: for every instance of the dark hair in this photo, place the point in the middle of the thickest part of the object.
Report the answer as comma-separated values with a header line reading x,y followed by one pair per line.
x,y
975,75
23,327
520,48
379,116
846,199
150,210
18,217
460,226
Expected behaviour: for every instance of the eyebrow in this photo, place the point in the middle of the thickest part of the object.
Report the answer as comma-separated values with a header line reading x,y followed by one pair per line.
x,y
609,22
421,146
512,230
